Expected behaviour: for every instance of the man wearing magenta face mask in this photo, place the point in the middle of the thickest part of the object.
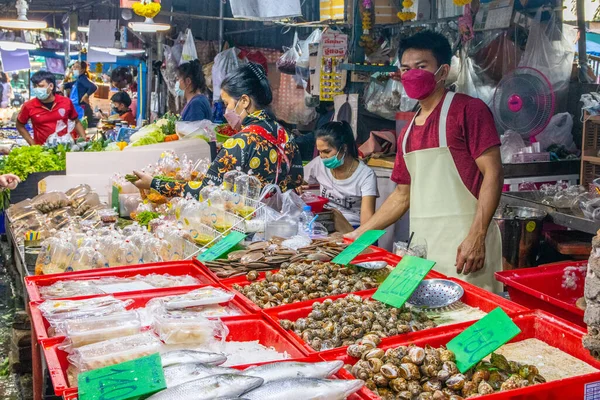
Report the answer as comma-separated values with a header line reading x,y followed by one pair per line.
x,y
448,169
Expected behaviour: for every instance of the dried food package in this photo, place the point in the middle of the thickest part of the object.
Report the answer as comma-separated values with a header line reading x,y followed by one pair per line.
x,y
61,310
114,351
78,191
50,201
82,332
178,328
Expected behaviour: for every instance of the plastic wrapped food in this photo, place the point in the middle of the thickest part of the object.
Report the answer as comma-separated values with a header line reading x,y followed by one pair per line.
x,y
61,310
55,256
114,351
85,203
78,191
216,311
87,258
230,177
199,297
125,254
50,201
63,289
81,332
108,216
20,210
177,328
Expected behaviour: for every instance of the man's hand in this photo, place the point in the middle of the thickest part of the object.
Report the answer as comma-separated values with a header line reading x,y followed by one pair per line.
x,y
470,257
9,181
144,182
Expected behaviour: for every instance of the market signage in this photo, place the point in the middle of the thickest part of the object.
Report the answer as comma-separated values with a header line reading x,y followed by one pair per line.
x,y
222,247
357,247
403,280
131,380
482,338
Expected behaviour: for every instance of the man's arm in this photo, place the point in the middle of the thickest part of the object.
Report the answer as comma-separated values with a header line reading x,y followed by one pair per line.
x,y
23,132
394,207
367,208
79,129
470,256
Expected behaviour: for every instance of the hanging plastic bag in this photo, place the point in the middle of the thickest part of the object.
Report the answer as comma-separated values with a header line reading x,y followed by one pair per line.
x,y
271,196
291,204
304,45
549,50
287,62
558,132
389,101
189,48
225,62
469,80
512,143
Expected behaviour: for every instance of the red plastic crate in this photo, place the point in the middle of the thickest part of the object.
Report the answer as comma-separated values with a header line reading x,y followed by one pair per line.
x,y
70,394
175,268
473,297
541,288
41,325
243,328
533,324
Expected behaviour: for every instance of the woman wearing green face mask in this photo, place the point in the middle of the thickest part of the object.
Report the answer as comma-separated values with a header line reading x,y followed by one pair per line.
x,y
347,182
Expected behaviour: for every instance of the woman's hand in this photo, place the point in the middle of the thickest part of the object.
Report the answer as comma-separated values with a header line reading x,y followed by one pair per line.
x,y
9,181
144,180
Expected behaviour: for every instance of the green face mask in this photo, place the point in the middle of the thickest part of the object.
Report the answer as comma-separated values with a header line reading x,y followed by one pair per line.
x,y
334,162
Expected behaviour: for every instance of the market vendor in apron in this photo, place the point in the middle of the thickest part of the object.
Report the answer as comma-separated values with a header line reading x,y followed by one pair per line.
x,y
448,169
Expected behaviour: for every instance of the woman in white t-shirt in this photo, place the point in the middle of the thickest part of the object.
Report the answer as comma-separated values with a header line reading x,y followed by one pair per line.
x,y
347,182
7,92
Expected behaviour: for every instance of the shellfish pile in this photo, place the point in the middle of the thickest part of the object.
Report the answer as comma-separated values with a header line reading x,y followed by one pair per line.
x,y
415,373
337,323
301,281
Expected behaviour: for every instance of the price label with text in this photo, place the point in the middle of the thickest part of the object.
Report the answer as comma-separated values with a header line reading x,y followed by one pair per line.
x,y
221,247
482,338
357,247
131,380
114,200
403,280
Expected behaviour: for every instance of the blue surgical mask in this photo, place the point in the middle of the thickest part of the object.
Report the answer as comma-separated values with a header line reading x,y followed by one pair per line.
x,y
334,162
76,73
178,90
40,93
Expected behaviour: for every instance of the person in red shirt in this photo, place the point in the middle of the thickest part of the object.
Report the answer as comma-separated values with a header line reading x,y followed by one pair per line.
x,y
448,168
49,112
120,106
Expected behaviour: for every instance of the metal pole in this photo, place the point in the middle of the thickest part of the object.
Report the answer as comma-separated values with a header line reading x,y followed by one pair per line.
x,y
582,57
149,81
221,23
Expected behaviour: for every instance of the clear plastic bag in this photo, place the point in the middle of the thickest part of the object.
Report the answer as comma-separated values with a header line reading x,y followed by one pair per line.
x,y
199,297
225,62
55,256
64,289
189,48
82,332
178,328
286,64
86,258
512,143
291,204
50,201
271,196
304,54
78,191
558,132
470,80
549,50
61,310
386,100
114,351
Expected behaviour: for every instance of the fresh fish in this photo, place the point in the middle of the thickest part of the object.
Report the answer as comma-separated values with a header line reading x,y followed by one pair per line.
x,y
182,373
210,388
306,389
191,356
289,370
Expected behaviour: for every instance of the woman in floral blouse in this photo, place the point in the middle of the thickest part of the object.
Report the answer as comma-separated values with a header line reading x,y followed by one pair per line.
x,y
261,145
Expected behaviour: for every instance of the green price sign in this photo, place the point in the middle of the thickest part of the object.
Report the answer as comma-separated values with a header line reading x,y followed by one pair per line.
x,y
220,248
403,280
482,338
131,380
357,247
114,203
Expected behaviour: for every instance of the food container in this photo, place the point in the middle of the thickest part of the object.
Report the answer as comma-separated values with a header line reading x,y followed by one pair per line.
x,y
180,328
86,331
108,216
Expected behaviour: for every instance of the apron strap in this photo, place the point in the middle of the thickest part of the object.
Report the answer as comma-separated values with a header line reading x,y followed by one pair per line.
x,y
444,118
405,140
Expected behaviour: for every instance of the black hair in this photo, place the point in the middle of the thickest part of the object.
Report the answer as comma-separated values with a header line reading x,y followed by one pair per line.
x,y
121,75
3,77
85,70
250,80
193,70
121,97
428,40
47,76
338,134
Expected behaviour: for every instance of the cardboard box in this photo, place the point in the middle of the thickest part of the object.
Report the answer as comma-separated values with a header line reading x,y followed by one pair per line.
x,y
332,10
386,12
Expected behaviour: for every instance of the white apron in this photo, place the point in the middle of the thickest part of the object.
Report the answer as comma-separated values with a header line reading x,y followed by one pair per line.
x,y
442,209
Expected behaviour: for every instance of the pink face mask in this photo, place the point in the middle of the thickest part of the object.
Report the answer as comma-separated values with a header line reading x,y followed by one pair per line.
x,y
418,83
233,118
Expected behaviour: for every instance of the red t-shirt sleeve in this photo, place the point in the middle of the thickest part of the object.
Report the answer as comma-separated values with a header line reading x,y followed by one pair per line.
x,y
400,174
24,114
480,129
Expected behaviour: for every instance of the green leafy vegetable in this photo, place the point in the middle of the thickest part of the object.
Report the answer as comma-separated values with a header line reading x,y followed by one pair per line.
x,y
23,161
145,217
165,178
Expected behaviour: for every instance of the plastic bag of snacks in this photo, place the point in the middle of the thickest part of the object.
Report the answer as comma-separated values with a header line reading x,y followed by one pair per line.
x,y
50,201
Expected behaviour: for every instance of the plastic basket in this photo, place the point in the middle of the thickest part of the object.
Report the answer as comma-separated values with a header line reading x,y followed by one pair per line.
x,y
533,324
245,328
541,288
174,268
317,205
41,325
473,297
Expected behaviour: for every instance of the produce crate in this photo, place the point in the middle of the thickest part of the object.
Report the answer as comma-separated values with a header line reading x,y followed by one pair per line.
x,y
541,288
174,268
41,325
70,394
473,297
533,324
244,328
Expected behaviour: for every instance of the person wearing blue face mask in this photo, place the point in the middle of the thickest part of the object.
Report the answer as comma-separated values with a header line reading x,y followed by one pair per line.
x,y
82,88
348,183
191,85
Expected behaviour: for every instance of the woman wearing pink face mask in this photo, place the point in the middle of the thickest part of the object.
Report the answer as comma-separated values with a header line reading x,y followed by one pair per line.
x,y
262,145
448,169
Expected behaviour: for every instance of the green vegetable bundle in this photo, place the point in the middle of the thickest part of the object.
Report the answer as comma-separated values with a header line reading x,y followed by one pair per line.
x,y
145,217
23,161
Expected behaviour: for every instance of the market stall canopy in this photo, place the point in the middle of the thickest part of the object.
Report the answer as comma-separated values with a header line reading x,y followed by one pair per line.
x,y
266,9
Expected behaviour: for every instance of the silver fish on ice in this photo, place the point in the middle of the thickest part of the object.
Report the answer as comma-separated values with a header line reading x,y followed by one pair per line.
x,y
289,370
191,356
182,373
210,388
306,389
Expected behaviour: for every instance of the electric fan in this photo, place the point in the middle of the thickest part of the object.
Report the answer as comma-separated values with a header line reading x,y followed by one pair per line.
x,y
524,102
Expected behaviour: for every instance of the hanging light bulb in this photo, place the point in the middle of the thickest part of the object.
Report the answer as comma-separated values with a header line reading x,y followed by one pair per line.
x,y
7,45
84,29
62,53
148,26
22,22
